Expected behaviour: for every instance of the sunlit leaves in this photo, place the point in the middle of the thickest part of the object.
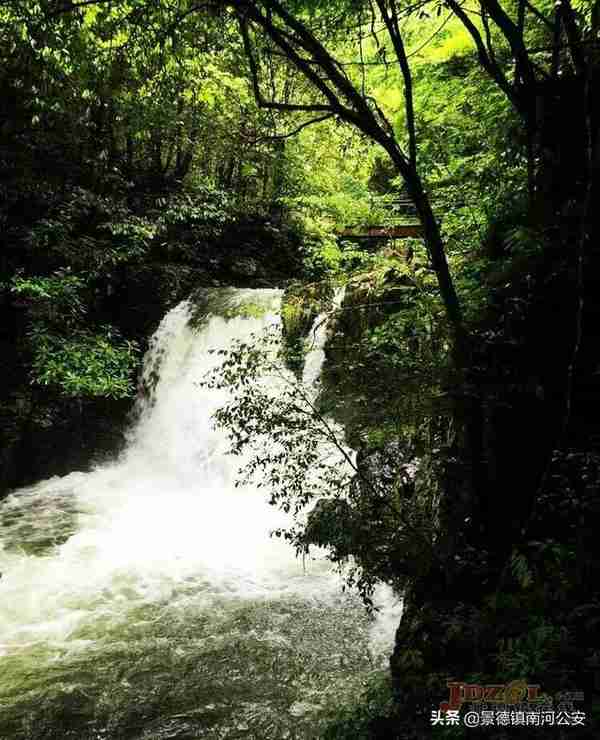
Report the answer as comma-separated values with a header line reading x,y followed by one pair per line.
x,y
84,364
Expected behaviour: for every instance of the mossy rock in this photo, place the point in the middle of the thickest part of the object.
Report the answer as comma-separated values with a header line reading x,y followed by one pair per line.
x,y
371,297
230,303
245,311
355,391
300,306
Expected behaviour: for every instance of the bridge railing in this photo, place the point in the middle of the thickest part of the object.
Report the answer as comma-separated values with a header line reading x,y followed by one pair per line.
x,y
393,215
393,209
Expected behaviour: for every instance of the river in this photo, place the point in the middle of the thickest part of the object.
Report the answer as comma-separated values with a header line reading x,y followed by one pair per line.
x,y
145,599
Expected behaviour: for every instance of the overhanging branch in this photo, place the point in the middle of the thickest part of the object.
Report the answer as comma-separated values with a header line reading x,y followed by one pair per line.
x,y
391,21
289,134
260,99
487,62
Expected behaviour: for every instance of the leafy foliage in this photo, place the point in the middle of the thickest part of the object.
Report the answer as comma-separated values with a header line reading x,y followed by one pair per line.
x,y
290,446
372,708
84,364
58,296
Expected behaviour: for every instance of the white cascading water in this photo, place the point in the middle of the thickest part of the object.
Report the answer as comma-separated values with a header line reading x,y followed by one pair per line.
x,y
147,600
317,337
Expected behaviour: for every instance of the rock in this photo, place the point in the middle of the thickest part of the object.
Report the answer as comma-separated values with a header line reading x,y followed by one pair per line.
x,y
301,305
245,267
388,466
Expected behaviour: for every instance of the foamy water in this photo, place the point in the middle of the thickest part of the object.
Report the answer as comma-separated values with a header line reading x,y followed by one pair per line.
x,y
106,573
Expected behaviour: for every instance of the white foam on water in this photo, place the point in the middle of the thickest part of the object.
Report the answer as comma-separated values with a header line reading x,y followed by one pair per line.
x,y
163,520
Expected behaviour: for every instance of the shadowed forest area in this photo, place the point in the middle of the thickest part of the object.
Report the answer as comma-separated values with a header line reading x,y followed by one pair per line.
x,y
425,177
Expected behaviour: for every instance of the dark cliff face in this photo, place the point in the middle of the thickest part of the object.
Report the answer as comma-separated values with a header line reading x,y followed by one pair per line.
x,y
524,486
58,436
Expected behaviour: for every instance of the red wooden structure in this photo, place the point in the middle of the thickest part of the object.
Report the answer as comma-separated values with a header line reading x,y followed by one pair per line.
x,y
399,231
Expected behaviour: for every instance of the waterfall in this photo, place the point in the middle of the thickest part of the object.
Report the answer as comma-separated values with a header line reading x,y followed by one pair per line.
x,y
384,598
146,599
315,357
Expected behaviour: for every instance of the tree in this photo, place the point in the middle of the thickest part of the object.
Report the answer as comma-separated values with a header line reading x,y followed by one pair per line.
x,y
554,66
337,95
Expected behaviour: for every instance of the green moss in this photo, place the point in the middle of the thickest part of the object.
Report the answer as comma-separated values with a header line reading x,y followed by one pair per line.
x,y
230,303
245,311
301,305
385,353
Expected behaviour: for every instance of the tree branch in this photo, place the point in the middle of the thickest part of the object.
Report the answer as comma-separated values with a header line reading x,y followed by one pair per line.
x,y
490,66
488,39
538,14
70,7
391,21
360,114
573,36
262,102
289,134
515,40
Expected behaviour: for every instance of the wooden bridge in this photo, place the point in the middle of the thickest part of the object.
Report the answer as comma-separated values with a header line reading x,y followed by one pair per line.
x,y
400,231
398,220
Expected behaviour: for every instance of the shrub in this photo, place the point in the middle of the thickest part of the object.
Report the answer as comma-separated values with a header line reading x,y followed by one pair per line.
x,y
84,364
